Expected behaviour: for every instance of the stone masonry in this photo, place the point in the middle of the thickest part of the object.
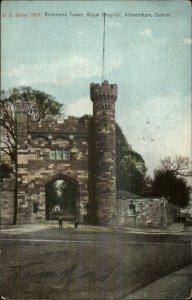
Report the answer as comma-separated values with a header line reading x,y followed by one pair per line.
x,y
7,201
104,97
79,150
150,212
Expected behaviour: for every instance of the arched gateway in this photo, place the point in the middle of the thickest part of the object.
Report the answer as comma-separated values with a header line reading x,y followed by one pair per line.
x,y
62,198
78,150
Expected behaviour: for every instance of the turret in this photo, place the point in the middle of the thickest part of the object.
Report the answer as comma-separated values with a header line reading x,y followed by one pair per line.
x,y
103,200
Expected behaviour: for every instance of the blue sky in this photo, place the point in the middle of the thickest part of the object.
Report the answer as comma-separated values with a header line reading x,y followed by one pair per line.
x,y
148,57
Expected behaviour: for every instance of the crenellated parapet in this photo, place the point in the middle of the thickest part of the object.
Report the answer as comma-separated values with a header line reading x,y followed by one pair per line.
x,y
103,91
21,106
25,124
69,125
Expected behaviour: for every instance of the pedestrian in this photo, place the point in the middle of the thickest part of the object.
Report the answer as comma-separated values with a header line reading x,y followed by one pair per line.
x,y
60,221
85,219
76,223
162,222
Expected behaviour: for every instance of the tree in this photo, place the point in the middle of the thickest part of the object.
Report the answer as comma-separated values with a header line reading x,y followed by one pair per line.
x,y
62,193
5,170
180,165
52,195
130,166
5,167
68,194
40,106
167,184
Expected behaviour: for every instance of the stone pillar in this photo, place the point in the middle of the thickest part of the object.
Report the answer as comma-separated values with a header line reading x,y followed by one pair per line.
x,y
21,115
102,205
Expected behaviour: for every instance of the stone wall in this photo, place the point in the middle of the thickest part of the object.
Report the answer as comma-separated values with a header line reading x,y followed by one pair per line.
x,y
7,201
154,212
48,151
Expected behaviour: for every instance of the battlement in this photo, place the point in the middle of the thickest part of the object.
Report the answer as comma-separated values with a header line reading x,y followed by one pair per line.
x,y
104,91
21,106
71,124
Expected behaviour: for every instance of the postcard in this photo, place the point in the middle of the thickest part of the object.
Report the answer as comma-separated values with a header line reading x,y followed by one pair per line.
x,y
95,161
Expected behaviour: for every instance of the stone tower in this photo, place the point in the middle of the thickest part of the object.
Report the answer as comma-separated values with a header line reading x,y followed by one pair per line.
x,y
103,199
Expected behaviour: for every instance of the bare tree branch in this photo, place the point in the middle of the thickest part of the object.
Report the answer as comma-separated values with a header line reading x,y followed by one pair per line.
x,y
180,165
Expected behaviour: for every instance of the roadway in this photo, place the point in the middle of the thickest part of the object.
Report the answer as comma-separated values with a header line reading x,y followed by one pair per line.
x,y
52,263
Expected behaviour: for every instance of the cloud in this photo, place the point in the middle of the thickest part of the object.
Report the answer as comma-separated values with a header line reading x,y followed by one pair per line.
x,y
160,127
81,32
156,41
80,107
114,24
187,41
63,71
146,32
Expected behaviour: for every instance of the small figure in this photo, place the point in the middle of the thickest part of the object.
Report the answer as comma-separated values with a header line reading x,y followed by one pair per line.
x,y
85,219
76,223
60,221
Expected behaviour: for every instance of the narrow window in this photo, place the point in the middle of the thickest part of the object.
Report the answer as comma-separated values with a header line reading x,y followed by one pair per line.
x,y
37,154
132,210
59,154
66,155
53,154
35,207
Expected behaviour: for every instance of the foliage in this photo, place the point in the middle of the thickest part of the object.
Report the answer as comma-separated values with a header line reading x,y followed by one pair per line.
x,y
40,105
62,193
147,190
167,184
52,196
130,166
5,170
68,194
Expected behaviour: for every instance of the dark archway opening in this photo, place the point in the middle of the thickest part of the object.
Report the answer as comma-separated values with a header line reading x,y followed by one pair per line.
x,y
61,199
